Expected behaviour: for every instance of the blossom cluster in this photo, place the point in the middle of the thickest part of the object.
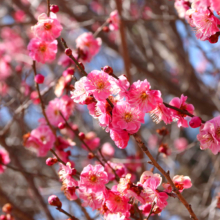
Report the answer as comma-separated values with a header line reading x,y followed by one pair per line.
x,y
118,202
43,47
121,107
200,15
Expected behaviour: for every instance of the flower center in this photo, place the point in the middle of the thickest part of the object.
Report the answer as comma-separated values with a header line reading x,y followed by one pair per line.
x,y
56,112
47,26
118,199
128,117
179,186
43,139
93,178
143,96
100,85
42,47
208,139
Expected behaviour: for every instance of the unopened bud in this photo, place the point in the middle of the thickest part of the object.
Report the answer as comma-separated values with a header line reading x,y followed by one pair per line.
x,y
39,79
54,8
68,52
90,155
195,122
106,29
164,149
51,161
61,125
7,208
163,131
81,135
3,217
54,201
108,69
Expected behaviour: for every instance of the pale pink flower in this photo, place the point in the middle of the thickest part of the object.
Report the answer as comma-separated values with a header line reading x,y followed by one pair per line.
x,y
98,84
181,144
161,112
104,111
88,45
124,116
5,68
94,200
120,137
107,150
151,193
4,159
118,216
91,140
42,51
182,6
69,184
209,135
205,23
181,182
140,95
116,202
180,103
64,105
121,86
79,95
119,168
148,174
40,140
62,84
114,18
47,28
93,178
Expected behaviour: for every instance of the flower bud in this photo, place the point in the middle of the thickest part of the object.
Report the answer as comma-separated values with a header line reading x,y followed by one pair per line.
x,y
7,208
90,155
106,29
108,69
54,201
61,125
214,38
54,8
163,131
75,128
51,161
68,52
3,217
81,135
164,149
39,78
195,122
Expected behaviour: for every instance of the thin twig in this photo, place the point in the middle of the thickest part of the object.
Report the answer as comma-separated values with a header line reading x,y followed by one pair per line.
x,y
152,207
66,213
165,174
100,28
48,8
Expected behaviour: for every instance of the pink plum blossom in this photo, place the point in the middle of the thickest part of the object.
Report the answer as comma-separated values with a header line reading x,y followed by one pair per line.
x,y
107,150
181,104
182,6
88,45
79,95
91,140
124,116
69,184
181,144
142,96
93,178
47,28
119,168
181,182
209,135
116,202
161,112
4,159
42,51
64,105
40,140
94,200
114,21
205,23
98,84
120,137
